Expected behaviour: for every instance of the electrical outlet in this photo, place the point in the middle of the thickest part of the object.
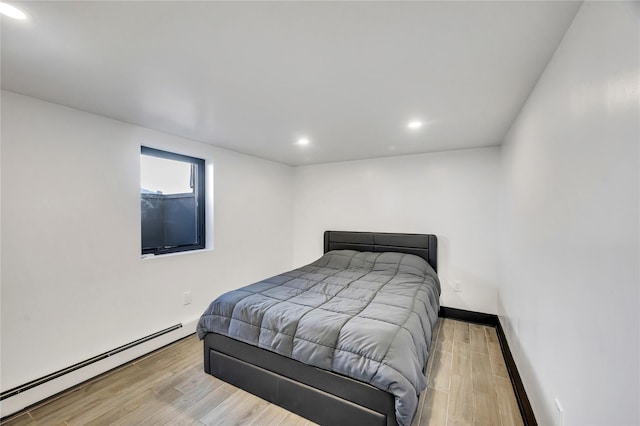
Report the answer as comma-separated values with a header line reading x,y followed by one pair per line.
x,y
187,297
457,286
559,413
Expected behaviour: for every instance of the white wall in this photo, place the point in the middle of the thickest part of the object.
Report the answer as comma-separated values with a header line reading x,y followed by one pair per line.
x,y
570,251
451,194
73,281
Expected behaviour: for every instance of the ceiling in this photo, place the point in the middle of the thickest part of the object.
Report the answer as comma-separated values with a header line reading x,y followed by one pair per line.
x,y
254,77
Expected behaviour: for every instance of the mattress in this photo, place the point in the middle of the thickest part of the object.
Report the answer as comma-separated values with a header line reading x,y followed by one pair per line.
x,y
368,316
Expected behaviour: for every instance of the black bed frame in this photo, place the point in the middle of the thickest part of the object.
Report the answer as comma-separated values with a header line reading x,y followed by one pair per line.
x,y
321,396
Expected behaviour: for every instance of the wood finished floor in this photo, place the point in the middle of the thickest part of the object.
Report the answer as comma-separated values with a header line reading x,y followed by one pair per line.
x,y
467,377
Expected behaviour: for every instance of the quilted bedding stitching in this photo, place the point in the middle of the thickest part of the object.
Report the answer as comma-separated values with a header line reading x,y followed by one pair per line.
x,y
380,311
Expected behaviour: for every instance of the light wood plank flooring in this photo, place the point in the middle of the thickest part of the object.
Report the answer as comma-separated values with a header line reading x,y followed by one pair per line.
x,y
467,377
468,382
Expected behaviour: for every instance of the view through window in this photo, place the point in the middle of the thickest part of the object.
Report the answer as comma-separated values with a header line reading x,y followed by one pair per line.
x,y
172,202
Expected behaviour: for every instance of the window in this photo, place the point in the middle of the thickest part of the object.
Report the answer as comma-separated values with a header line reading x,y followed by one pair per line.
x,y
172,202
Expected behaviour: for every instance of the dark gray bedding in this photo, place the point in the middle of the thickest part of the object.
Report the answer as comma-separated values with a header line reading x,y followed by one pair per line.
x,y
368,316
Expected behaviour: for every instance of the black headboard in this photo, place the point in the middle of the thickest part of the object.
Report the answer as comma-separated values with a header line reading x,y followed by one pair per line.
x,y
423,245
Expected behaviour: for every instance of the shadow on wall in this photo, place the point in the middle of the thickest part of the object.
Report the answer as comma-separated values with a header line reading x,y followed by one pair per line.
x,y
460,288
443,261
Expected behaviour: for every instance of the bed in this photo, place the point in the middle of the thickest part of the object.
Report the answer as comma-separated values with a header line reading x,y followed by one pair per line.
x,y
343,340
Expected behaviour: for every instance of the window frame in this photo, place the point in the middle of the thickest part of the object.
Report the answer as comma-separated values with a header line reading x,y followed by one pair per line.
x,y
200,179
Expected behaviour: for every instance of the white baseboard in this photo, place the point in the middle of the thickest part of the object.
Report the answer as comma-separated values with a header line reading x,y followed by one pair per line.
x,y
39,393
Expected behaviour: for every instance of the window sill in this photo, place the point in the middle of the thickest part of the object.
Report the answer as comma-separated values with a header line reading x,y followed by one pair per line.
x,y
179,253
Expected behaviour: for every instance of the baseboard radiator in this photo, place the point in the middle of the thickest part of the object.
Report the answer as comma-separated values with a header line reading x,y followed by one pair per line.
x,y
37,382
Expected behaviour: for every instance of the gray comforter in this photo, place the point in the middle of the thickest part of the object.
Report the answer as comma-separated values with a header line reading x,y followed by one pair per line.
x,y
365,315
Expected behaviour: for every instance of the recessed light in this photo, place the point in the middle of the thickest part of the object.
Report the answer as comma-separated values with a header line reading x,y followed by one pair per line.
x,y
12,11
415,124
303,141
